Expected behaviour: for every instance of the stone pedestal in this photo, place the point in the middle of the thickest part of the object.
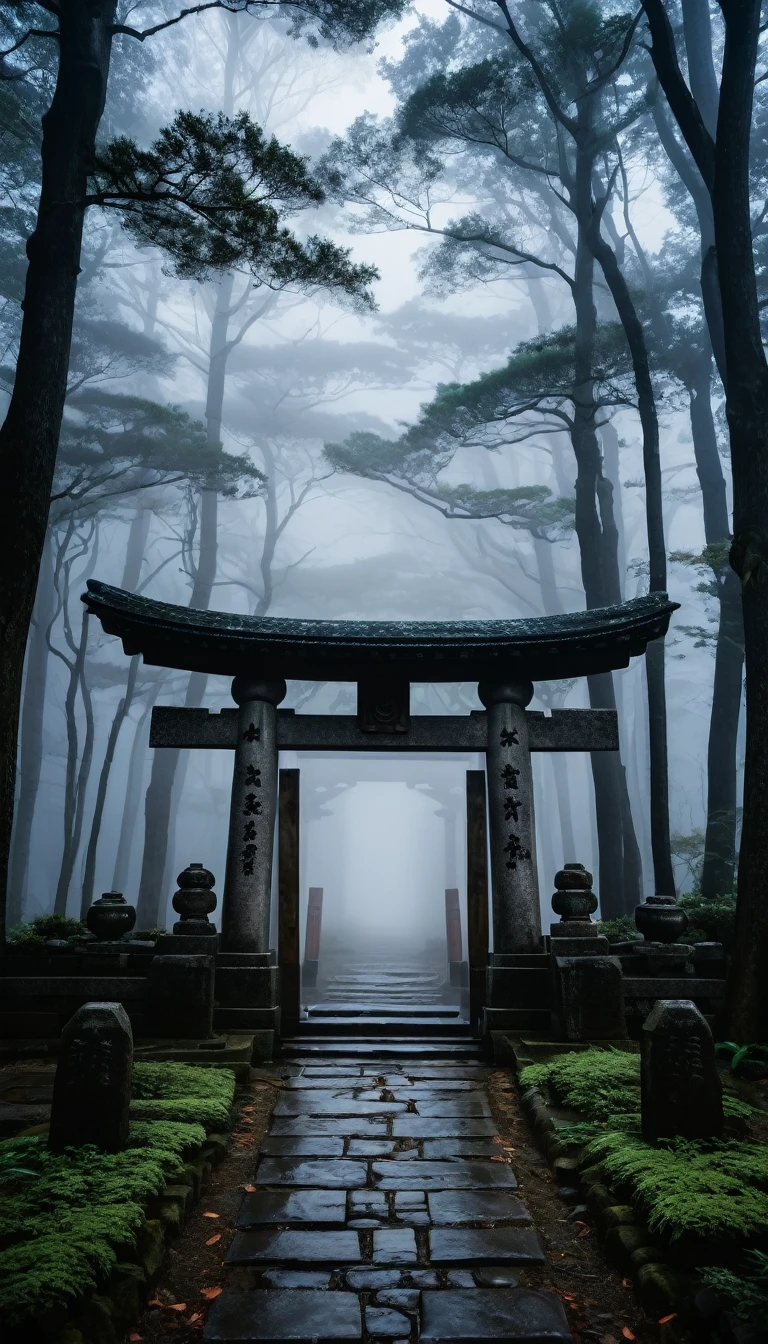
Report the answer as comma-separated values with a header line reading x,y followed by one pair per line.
x,y
248,881
517,992
590,998
92,1088
514,882
681,1089
180,996
247,991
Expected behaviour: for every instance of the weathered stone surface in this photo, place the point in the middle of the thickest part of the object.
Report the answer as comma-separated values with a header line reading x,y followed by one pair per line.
x,y
519,1314
303,1125
307,1145
443,1176
394,1246
405,1298
252,1316
467,1104
180,996
424,1127
368,1204
293,1206
382,1321
476,1206
370,1147
323,1104
295,1248
681,1093
442,1148
590,998
334,1174
369,1280
505,1245
495,1276
92,1088
423,1278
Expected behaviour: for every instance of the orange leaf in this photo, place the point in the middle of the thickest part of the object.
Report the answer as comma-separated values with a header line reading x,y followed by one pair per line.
x,y
134,1338
666,1319
196,1316
625,1283
210,1293
250,1189
627,1333
177,1306
248,1109
569,1297
212,1240
211,1215
155,1303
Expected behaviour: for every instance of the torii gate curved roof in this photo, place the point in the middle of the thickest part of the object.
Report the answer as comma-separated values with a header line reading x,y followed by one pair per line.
x,y
542,648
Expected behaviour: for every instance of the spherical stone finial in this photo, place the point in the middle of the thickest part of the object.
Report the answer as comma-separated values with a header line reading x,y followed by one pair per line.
x,y
574,900
505,692
194,901
246,689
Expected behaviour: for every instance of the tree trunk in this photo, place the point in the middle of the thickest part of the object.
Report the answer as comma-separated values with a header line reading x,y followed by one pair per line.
x,y
718,871
654,658
89,874
77,770
31,754
132,795
747,411
30,435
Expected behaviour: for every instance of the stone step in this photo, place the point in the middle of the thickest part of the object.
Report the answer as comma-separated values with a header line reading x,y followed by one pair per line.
x,y
380,1047
384,1024
357,1009
451,1316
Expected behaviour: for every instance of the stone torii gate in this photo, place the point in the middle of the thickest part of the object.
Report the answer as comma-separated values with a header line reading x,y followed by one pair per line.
x,y
503,657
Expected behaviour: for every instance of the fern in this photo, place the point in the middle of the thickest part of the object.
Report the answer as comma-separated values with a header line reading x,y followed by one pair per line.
x,y
600,1083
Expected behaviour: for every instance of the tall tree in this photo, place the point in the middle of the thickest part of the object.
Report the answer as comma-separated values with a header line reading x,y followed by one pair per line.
x,y
723,162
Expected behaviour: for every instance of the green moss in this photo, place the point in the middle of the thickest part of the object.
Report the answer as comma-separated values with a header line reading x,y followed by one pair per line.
x,y
67,1218
623,927
746,1292
709,1189
32,935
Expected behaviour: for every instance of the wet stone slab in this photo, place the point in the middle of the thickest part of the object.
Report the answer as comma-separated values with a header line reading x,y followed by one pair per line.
x,y
294,1248
334,1174
515,1314
394,1246
293,1206
370,1147
371,1280
323,1103
465,1104
424,1127
458,1175
384,1322
466,1246
307,1145
302,1125
296,1278
476,1206
243,1316
442,1148
406,1299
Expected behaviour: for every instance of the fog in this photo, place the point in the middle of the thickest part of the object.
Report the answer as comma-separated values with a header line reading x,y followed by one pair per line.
x,y
300,367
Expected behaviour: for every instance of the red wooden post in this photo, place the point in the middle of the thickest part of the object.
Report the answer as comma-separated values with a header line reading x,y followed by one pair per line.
x,y
312,940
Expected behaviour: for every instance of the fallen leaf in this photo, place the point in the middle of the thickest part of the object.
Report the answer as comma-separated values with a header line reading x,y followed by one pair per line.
x,y
177,1306
196,1316
212,1240
250,1189
155,1303
666,1319
569,1297
134,1339
211,1215
625,1283
210,1293
627,1333
247,1110
585,1231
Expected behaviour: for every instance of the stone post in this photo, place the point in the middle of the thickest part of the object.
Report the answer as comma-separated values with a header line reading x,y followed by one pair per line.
x,y
248,881
92,1087
681,1092
514,882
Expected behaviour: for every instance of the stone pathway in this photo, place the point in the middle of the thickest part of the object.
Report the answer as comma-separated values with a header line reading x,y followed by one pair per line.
x,y
381,1210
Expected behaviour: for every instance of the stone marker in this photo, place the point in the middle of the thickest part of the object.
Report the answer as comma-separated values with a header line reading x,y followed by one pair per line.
x,y
681,1092
590,998
92,1089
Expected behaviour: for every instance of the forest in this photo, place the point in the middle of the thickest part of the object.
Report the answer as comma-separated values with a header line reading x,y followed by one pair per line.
x,y
391,310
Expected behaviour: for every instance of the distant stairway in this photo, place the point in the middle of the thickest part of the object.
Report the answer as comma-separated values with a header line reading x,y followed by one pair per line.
x,y
377,999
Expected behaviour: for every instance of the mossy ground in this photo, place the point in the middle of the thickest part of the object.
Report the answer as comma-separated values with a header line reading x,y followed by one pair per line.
x,y
68,1218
